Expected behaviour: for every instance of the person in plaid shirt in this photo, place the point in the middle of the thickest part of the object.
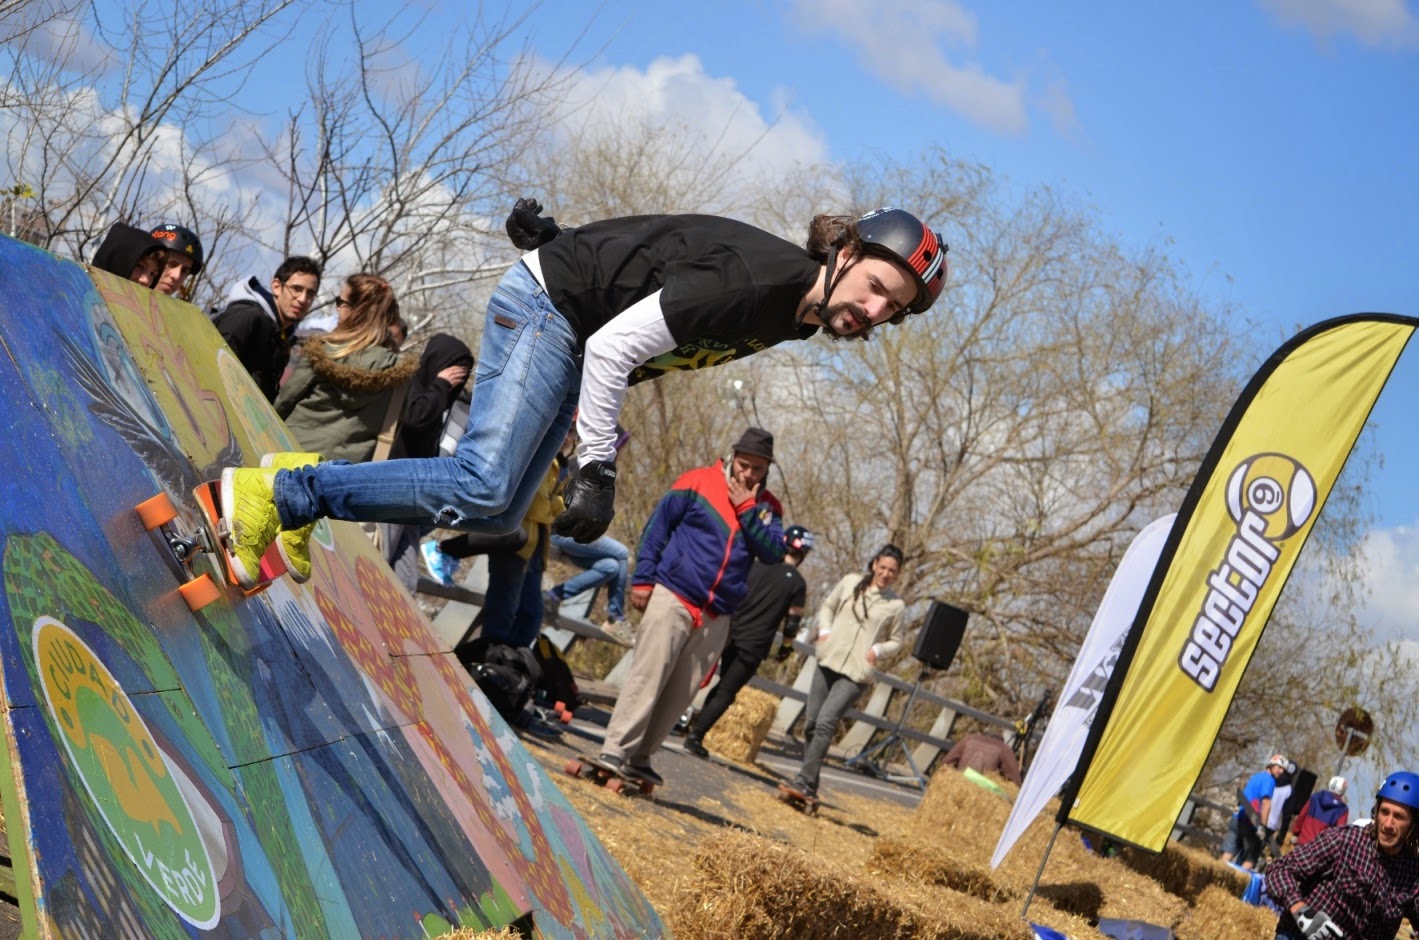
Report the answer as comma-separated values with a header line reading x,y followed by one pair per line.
x,y
1354,882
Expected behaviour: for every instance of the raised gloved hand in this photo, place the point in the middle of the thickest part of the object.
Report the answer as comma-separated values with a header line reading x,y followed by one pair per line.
x,y
1316,924
591,502
527,227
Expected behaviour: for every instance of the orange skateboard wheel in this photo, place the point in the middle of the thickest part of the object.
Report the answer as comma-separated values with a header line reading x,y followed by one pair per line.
x,y
199,592
565,717
156,511
615,784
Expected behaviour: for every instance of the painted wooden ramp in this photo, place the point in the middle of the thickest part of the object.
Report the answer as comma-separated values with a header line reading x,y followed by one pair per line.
x,y
309,762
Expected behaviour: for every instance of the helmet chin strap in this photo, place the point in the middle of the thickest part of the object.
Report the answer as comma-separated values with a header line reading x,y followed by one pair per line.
x,y
830,280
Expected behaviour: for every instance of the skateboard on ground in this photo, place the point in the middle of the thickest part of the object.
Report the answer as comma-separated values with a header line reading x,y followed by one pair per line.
x,y
556,713
620,780
805,804
211,537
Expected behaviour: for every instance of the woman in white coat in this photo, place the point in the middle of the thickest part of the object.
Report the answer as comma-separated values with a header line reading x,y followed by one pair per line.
x,y
859,623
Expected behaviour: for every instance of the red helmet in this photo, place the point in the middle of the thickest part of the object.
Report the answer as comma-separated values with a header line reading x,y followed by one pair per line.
x,y
899,236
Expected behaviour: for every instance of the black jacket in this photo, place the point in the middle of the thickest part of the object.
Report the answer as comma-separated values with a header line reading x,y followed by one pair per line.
x,y
122,247
251,327
429,397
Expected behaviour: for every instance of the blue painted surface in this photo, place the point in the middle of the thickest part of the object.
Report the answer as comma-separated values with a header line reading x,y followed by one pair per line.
x,y
304,763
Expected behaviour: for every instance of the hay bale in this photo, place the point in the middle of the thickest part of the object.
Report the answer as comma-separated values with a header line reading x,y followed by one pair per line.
x,y
745,886
1218,915
741,730
1074,880
1186,871
911,860
470,933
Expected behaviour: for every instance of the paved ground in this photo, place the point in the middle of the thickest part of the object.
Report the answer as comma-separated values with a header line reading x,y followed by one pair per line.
x,y
689,779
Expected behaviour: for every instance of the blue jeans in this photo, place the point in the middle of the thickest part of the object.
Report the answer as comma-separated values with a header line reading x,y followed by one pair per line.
x,y
524,394
605,561
512,606
829,698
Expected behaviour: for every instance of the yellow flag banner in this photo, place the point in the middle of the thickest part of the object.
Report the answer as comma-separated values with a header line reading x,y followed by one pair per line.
x,y
1237,536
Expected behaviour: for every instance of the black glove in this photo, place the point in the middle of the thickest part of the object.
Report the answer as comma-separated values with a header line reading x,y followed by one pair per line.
x,y
1316,925
591,502
526,226
785,650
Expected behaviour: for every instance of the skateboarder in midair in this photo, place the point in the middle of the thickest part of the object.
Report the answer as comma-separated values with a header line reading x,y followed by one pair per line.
x,y
578,319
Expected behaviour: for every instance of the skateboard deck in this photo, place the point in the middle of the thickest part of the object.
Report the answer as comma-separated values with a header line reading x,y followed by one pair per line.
x,y
617,781
805,804
211,537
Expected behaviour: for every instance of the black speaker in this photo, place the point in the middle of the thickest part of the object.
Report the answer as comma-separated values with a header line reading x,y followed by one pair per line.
x,y
940,635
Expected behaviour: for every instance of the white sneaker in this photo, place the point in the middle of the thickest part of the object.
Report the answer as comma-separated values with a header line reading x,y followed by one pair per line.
x,y
620,630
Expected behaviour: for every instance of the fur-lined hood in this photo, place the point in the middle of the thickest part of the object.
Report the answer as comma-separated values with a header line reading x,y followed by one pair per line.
x,y
347,373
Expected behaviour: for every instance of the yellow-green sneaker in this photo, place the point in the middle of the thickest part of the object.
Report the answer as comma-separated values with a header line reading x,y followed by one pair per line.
x,y
294,544
249,505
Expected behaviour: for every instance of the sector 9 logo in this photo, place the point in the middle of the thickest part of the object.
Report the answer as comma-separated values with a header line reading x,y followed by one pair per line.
x,y
1277,489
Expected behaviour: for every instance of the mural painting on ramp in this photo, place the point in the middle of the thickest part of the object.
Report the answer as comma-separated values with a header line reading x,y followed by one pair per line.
x,y
309,761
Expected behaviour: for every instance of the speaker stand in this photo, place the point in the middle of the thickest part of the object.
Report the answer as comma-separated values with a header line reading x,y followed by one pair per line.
x,y
864,761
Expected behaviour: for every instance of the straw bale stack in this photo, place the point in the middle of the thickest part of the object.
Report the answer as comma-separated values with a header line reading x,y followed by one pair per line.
x,y
1186,871
912,860
746,886
1075,880
1219,915
741,730
469,933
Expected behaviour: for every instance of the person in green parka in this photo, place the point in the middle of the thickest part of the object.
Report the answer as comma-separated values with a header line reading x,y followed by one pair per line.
x,y
339,390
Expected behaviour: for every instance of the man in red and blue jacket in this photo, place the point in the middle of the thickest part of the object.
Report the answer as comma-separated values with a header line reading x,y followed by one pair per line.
x,y
692,571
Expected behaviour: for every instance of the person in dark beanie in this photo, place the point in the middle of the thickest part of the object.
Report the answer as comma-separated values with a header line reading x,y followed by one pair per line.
x,y
692,571
130,253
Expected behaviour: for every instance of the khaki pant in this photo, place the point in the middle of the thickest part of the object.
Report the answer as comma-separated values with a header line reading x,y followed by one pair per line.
x,y
672,658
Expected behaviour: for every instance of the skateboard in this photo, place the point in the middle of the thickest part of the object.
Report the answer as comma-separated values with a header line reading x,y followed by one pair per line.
x,y
556,713
211,537
805,804
617,781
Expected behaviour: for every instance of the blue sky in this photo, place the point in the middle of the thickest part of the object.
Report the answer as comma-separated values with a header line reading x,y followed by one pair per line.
x,y
1270,147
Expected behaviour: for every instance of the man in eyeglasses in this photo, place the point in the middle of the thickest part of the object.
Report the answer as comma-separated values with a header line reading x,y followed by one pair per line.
x,y
260,325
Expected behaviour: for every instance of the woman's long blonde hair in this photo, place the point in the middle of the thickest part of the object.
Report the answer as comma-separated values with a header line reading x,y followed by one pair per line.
x,y
373,311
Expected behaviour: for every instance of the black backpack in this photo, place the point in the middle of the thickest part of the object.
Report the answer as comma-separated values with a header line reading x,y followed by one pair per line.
x,y
557,683
508,675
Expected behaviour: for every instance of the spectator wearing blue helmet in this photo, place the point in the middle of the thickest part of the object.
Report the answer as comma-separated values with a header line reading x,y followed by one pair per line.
x,y
1356,882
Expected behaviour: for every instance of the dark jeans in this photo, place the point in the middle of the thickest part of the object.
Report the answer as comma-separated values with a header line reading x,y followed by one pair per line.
x,y
512,607
829,698
736,668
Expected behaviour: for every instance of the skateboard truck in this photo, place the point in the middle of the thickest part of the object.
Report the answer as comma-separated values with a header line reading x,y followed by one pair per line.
x,y
617,781
805,804
158,514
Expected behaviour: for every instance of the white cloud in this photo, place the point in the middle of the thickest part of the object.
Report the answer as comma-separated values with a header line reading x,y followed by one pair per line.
x,y
678,93
1373,22
1391,565
902,44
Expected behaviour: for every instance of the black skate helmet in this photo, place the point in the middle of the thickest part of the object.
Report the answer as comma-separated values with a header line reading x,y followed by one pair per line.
x,y
177,238
798,540
899,236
